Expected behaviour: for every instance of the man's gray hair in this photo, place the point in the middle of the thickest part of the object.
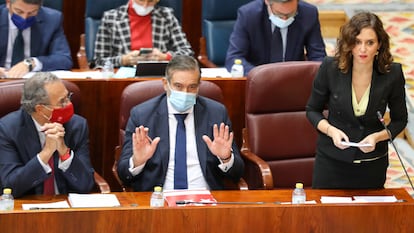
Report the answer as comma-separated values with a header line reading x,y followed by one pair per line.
x,y
181,63
34,92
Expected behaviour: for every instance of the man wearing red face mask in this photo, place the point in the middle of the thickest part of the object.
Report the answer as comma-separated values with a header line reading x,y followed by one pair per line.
x,y
44,145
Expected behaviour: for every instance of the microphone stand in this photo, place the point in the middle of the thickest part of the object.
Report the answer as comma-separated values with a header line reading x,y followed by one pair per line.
x,y
381,119
184,202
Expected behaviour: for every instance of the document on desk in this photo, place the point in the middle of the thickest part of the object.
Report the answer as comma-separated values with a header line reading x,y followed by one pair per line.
x,y
331,199
358,199
215,73
71,74
125,72
189,197
41,206
374,199
93,200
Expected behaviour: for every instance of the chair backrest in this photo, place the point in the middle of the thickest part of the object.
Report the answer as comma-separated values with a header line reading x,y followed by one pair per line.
x,y
277,128
218,18
139,92
11,94
93,14
94,11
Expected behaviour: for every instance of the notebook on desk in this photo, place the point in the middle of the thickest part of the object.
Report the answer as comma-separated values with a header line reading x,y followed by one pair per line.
x,y
151,69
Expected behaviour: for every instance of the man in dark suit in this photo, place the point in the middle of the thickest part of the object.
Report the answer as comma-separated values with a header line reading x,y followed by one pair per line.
x,y
269,31
151,156
31,39
44,147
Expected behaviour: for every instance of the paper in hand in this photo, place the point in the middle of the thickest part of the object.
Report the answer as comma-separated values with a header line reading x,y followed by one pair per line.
x,y
356,144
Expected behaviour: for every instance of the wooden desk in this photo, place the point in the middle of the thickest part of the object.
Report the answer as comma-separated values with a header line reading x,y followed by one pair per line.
x,y
101,104
329,218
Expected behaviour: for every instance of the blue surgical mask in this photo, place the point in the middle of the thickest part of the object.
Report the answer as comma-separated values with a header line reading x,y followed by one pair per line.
x,y
181,101
140,10
281,23
22,23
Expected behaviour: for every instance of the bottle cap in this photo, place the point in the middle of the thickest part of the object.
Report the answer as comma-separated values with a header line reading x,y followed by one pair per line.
x,y
238,61
299,185
157,189
7,191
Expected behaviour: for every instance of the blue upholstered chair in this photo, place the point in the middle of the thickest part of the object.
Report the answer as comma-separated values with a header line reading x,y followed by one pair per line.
x,y
218,18
93,13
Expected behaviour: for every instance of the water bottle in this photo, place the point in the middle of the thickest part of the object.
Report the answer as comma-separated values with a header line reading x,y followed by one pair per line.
x,y
237,70
7,200
298,195
157,198
108,69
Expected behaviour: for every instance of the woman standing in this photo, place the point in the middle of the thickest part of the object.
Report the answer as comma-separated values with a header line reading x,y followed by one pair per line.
x,y
356,85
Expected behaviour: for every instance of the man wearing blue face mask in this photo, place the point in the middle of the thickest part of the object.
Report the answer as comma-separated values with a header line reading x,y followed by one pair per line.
x,y
137,31
179,140
31,39
269,31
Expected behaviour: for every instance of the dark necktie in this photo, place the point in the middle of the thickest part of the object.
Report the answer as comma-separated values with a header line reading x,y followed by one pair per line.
x,y
276,48
180,164
18,49
49,183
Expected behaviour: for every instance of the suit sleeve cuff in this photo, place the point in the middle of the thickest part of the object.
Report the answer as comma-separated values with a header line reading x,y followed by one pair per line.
x,y
135,170
225,166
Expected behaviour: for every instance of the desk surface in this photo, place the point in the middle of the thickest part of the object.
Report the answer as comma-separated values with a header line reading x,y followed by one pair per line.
x,y
135,215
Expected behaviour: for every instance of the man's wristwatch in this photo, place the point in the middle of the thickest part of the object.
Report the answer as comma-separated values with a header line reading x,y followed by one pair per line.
x,y
29,63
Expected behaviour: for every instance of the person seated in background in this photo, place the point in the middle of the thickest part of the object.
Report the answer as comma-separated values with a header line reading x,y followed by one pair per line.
x,y
140,24
357,85
269,31
31,39
179,140
44,146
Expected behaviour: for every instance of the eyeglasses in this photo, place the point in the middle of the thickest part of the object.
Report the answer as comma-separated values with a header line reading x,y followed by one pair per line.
x,y
63,102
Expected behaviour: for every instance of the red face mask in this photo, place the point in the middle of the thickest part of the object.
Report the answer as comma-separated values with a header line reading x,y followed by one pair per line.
x,y
62,115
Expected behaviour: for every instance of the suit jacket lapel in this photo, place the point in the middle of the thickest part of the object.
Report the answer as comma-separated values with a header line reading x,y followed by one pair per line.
x,y
29,131
201,127
162,130
375,93
35,32
267,29
345,83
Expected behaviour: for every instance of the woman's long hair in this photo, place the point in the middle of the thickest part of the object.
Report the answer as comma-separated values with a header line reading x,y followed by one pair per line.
x,y
347,39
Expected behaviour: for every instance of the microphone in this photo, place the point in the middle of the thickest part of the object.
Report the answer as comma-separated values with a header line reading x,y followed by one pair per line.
x,y
184,202
381,119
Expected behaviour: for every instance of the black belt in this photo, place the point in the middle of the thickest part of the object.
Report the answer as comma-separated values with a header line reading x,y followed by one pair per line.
x,y
370,159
